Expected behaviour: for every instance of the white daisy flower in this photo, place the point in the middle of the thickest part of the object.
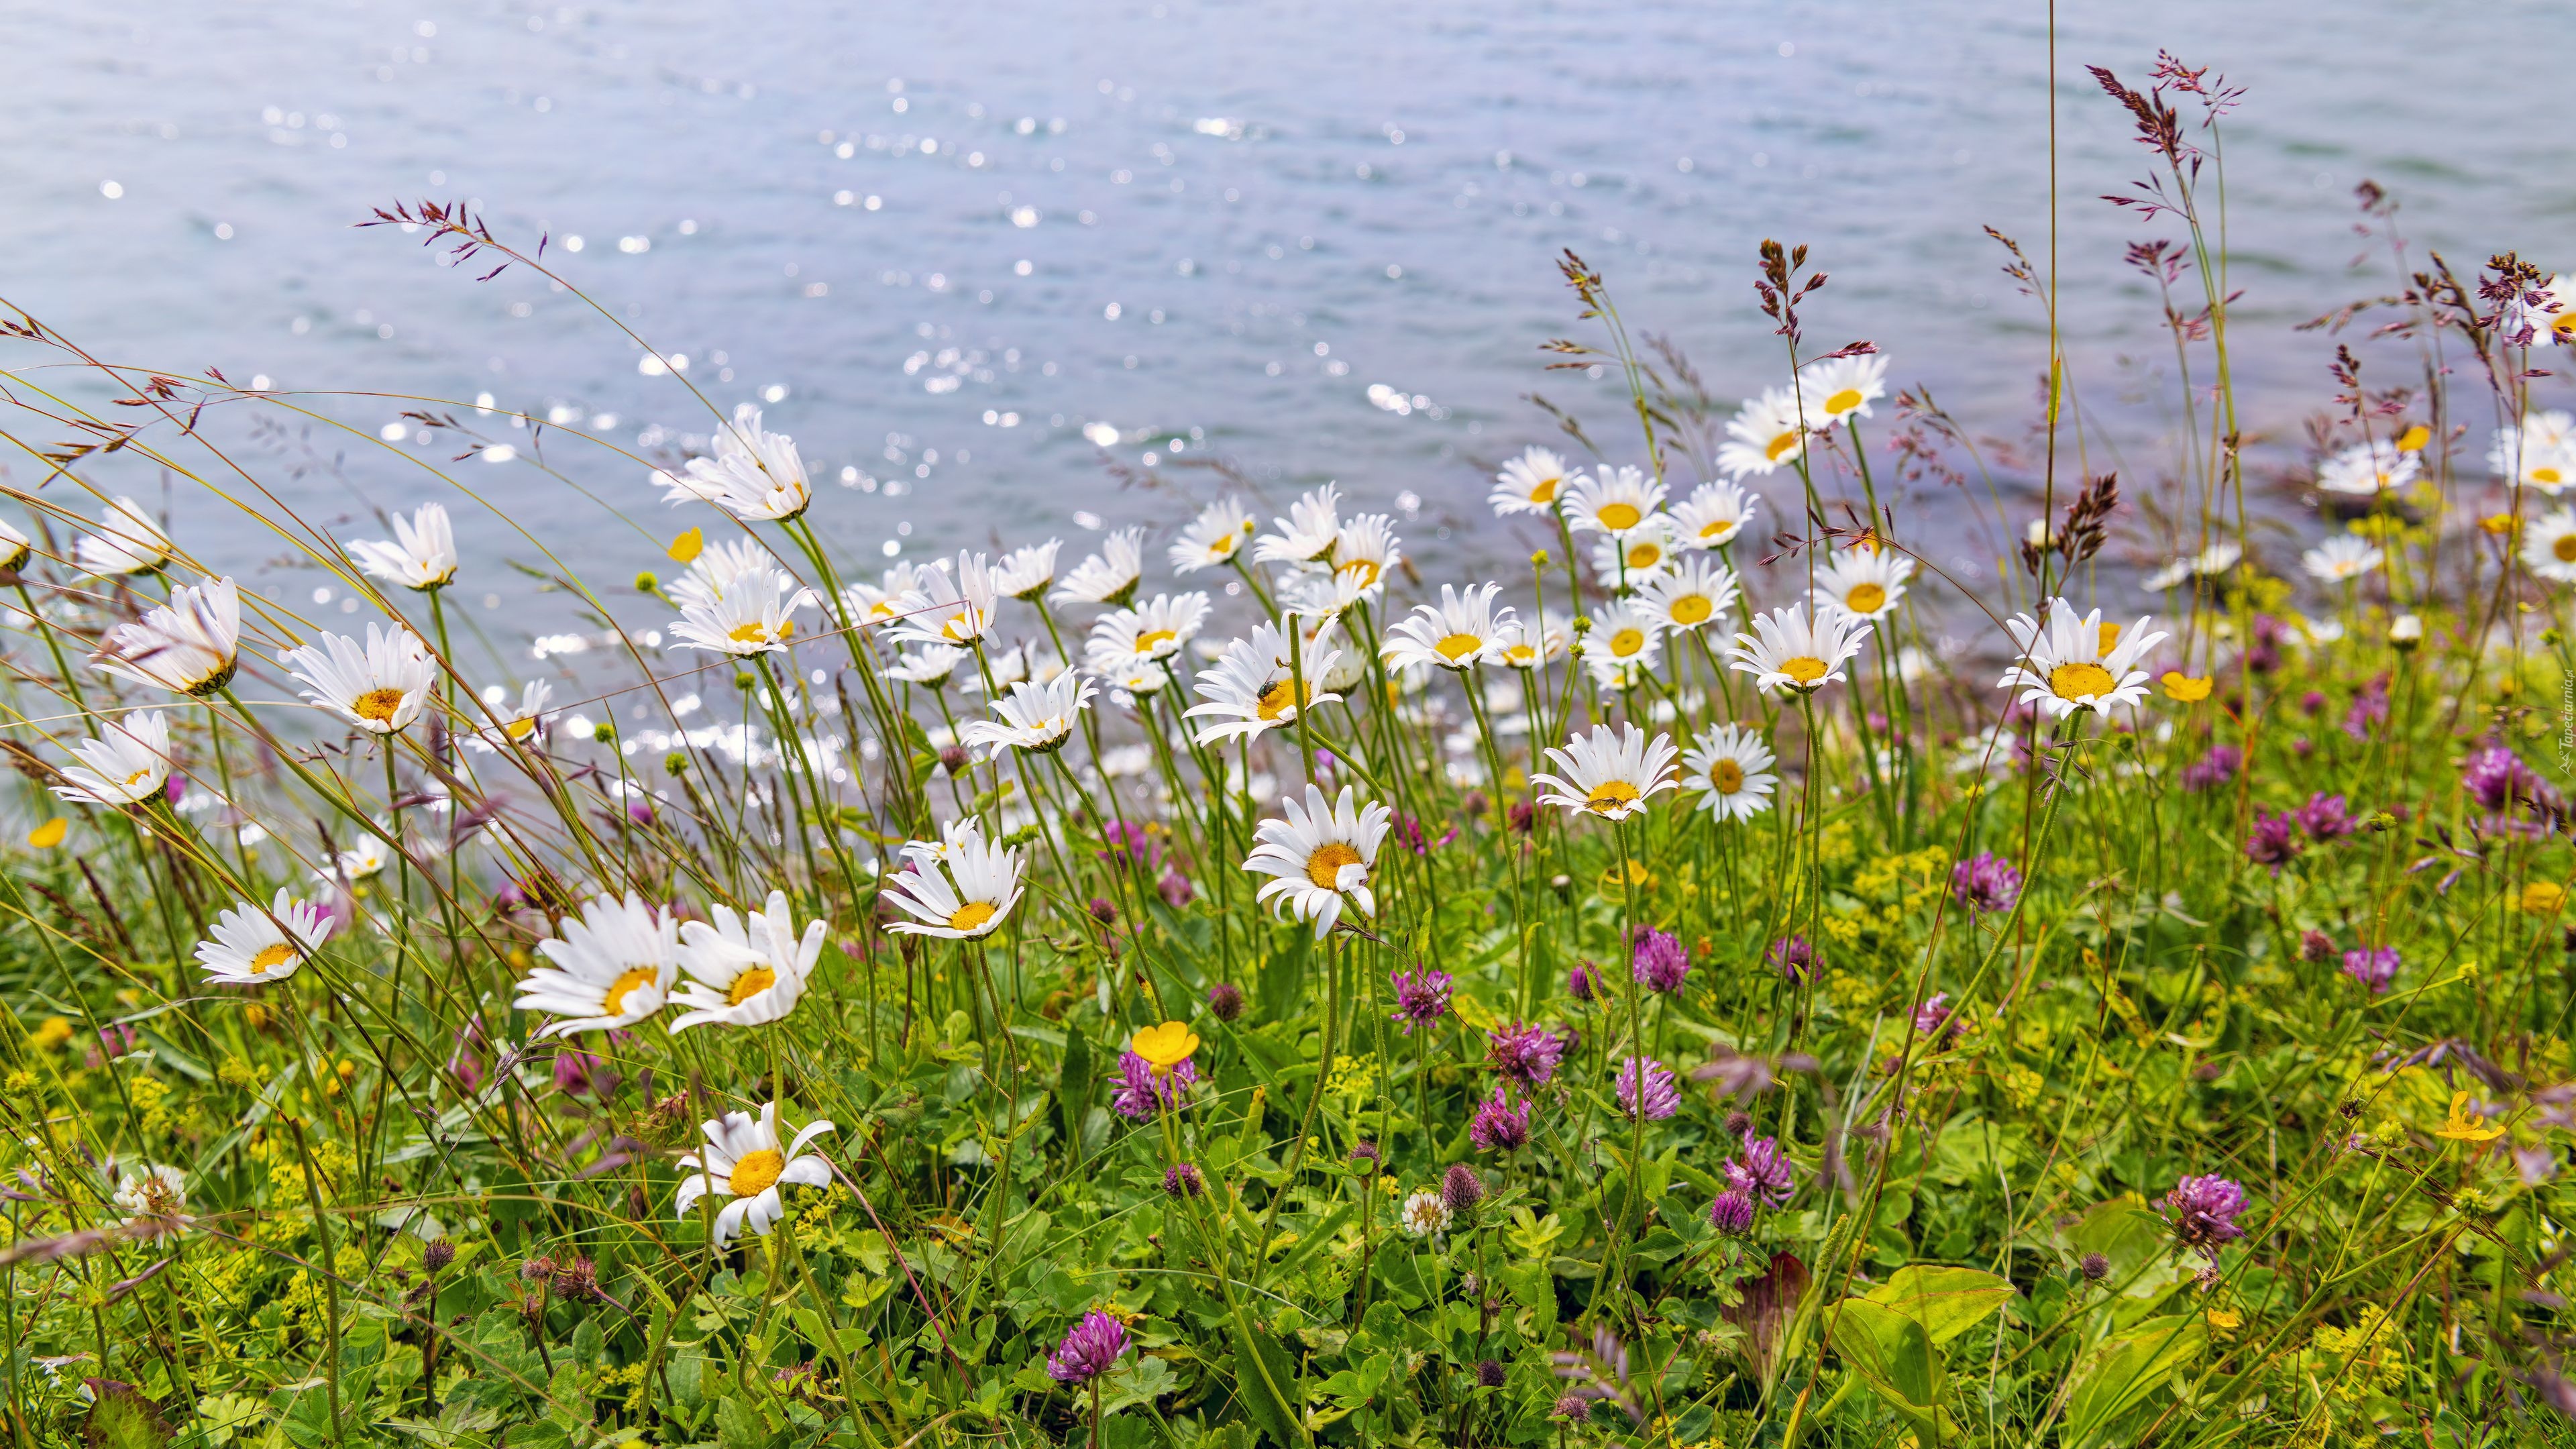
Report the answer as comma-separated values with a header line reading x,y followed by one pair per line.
x,y
1151,678
986,886
380,687
1617,502
1731,768
1425,1215
1020,661
718,567
128,542
154,1190
2071,664
953,836
1608,773
2549,546
1765,433
1343,668
1626,633
883,602
1714,514
1696,592
1127,639
1318,858
1024,573
1364,550
928,666
950,609
1308,533
1841,388
125,765
1035,717
253,947
1527,646
363,861
1109,576
2540,453
612,966
2340,558
1212,538
2368,468
2406,631
421,555
1790,650
745,970
1251,687
756,614
1863,583
1530,483
2219,557
744,1161
1626,563
1461,631
15,548
1323,598
522,722
754,475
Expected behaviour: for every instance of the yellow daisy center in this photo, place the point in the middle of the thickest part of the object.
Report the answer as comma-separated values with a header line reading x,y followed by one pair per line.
x,y
1806,668
750,984
2110,641
613,1001
2081,680
1458,646
520,729
1713,530
270,958
1691,609
970,915
1366,568
1780,446
2563,324
1726,777
1842,402
2565,548
1521,653
756,1172
1609,795
1865,598
139,776
752,633
1324,867
1153,639
1275,699
1544,490
1617,516
2547,476
1627,642
377,704
1644,555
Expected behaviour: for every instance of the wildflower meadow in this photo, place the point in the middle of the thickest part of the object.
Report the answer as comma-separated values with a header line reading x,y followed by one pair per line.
x,y
1706,972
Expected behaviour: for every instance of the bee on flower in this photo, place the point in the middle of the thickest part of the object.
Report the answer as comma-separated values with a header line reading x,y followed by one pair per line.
x,y
745,970
754,614
1252,686
1034,717
1731,768
1608,773
611,966
1212,539
986,884
745,1161
1618,502
1790,650
1318,857
1309,532
125,765
421,555
1109,576
2071,664
1714,514
1863,583
1530,483
1765,433
753,474
379,687
255,947
127,542
1696,593
1461,631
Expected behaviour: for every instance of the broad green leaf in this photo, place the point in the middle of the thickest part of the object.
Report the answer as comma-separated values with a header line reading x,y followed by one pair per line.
x,y
1265,1380
1946,1301
2118,1375
1895,1357
1140,1382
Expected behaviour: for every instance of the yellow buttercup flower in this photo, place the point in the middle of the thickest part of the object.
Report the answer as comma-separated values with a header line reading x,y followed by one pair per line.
x,y
2543,898
1164,1047
2183,689
2499,524
687,547
49,834
2461,1127
2413,439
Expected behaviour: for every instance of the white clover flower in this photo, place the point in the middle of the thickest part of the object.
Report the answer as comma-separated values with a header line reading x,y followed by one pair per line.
x,y
1425,1215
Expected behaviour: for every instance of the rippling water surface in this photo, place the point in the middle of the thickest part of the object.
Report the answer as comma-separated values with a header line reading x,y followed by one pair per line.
x,y
1316,240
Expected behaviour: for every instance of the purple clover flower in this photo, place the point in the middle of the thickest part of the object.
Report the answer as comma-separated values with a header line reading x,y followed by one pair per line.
x,y
1657,1098
1524,1052
1461,1189
1763,1171
1089,1349
1500,1125
2315,946
1409,833
2325,818
1985,883
1932,1018
2274,841
1582,983
1225,1000
2203,1213
1658,960
2213,769
1183,1180
1128,844
1794,958
1141,1094
2369,709
1731,1212
2374,968
2500,781
1420,999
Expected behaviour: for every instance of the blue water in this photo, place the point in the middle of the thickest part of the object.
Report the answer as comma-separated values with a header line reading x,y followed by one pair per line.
x,y
944,240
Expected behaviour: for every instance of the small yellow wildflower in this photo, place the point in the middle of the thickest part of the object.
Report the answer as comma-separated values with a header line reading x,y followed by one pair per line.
x,y
2413,439
50,1033
1164,1047
2464,1128
2183,689
687,547
49,834
2543,898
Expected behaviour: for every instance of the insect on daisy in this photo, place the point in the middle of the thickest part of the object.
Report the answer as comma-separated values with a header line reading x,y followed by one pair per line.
x,y
1251,687
1106,577
125,765
128,542
421,555
610,966
2341,558
745,970
753,474
1034,717
254,947
1765,433
1461,631
1731,767
1319,857
987,885
1530,483
1863,583
1608,773
2071,664
1211,539
1618,502
756,614
1308,533
1695,593
380,687
1790,650
1839,389
745,1161
1714,514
